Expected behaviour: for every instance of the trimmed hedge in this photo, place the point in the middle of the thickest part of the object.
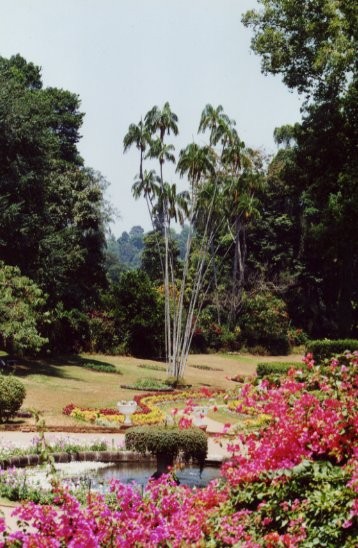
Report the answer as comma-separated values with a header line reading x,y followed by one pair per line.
x,y
276,368
322,349
190,443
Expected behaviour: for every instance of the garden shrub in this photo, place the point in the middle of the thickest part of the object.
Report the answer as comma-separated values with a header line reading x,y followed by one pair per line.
x,y
323,349
101,367
153,367
12,394
148,384
297,337
275,368
258,350
68,330
209,335
190,443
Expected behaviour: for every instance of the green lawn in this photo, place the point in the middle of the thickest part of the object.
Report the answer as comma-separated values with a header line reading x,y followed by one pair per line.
x,y
54,383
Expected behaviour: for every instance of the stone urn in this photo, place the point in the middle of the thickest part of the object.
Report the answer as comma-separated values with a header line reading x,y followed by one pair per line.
x,y
199,414
127,408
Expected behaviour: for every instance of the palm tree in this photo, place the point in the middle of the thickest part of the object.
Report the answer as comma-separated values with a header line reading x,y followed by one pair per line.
x,y
148,186
140,136
221,193
216,121
163,120
196,162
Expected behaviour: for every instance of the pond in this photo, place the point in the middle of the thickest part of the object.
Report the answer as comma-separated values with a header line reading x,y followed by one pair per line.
x,y
140,473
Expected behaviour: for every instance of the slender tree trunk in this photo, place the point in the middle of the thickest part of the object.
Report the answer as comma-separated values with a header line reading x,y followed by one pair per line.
x,y
216,292
168,345
238,271
235,269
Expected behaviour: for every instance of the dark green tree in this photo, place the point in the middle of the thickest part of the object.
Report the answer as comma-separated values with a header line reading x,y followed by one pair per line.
x,y
22,310
52,212
313,45
138,312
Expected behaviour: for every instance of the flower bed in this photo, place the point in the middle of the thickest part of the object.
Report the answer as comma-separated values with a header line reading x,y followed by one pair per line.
x,y
148,411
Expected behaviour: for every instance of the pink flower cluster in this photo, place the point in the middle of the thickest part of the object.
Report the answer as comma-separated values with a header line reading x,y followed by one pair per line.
x,y
164,513
305,424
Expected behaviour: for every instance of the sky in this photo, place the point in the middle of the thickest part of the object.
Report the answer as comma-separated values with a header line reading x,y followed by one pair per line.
x,y
122,57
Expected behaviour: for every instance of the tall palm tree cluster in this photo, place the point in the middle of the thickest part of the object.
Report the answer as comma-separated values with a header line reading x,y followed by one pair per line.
x,y
223,177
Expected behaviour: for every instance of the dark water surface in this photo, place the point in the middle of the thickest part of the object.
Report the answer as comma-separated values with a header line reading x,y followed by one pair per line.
x,y
140,473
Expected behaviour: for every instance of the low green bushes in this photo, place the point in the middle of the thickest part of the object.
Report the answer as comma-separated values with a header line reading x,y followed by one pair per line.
x,y
149,384
323,349
275,368
101,367
206,367
153,367
12,394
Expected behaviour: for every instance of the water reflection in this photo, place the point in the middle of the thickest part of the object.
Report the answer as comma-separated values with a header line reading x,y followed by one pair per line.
x,y
140,473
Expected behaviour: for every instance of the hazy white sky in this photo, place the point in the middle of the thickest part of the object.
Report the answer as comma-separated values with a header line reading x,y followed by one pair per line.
x,y
124,56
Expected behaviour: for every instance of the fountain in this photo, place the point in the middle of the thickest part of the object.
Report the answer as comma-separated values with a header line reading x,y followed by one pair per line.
x,y
127,408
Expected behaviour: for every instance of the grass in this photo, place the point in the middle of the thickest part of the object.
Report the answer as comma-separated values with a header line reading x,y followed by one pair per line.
x,y
206,367
52,384
153,367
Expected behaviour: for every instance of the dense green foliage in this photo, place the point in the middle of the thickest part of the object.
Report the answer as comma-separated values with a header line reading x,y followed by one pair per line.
x,y
52,212
276,494
137,312
264,320
309,226
325,348
190,443
12,394
101,367
21,304
275,368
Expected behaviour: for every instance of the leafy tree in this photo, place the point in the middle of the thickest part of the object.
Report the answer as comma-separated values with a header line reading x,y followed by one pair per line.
x,y
324,167
52,212
153,253
137,310
264,321
130,246
312,45
21,311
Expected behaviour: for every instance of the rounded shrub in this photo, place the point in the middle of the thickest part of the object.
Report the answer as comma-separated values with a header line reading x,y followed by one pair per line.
x,y
190,443
12,394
